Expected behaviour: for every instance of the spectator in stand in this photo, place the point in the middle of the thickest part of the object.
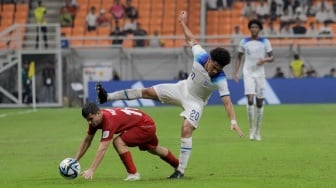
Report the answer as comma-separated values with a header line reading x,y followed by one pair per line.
x,y
279,10
326,30
212,5
64,41
300,15
103,20
224,4
91,19
286,30
311,11
324,4
130,26
297,67
263,10
118,36
72,3
278,73
273,10
303,8
285,19
72,9
65,18
140,32
155,40
311,73
271,31
331,74
248,9
117,10
131,11
236,36
299,28
312,31
40,18
324,15
291,5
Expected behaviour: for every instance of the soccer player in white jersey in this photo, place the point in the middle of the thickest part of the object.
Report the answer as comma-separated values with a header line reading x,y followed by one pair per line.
x,y
257,52
191,94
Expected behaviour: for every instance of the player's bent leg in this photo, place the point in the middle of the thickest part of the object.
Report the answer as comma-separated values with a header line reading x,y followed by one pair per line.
x,y
166,155
126,158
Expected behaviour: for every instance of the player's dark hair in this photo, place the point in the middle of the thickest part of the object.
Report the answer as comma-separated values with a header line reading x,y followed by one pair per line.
x,y
257,22
221,56
89,108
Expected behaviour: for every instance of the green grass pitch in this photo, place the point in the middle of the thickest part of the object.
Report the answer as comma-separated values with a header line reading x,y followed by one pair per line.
x,y
298,150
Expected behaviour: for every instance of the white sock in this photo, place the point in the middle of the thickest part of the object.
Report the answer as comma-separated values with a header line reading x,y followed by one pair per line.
x,y
250,115
185,152
260,113
127,94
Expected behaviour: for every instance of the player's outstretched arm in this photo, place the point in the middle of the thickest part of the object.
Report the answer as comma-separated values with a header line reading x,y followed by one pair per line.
x,y
189,37
231,113
84,146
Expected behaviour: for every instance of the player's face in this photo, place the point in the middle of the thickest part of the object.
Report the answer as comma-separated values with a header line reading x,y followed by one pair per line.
x,y
254,29
94,119
213,68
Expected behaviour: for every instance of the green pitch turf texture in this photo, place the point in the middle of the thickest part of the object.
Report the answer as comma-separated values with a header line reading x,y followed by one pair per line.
x,y
298,150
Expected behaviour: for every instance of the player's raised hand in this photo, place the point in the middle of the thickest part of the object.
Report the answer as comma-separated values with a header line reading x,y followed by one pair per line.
x,y
183,17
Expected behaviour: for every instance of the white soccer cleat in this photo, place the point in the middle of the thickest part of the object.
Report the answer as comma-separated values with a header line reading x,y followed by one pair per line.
x,y
252,137
132,177
252,134
258,137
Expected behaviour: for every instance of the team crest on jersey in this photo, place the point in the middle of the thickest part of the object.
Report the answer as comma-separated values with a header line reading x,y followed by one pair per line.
x,y
106,134
206,83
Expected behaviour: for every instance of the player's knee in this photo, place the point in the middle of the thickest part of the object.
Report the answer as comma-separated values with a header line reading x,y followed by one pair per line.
x,y
149,93
260,102
187,130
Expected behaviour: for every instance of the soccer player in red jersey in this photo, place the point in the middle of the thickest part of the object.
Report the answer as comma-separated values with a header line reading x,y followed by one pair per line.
x,y
132,127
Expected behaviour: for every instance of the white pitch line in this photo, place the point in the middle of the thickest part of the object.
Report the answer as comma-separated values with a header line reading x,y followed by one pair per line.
x,y
17,113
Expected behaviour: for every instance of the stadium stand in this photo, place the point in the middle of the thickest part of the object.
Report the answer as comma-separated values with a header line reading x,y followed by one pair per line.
x,y
161,15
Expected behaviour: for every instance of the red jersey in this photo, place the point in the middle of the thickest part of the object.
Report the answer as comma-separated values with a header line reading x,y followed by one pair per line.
x,y
118,120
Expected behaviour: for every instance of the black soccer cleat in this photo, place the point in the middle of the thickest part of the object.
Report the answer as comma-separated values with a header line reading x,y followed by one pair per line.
x,y
176,175
101,93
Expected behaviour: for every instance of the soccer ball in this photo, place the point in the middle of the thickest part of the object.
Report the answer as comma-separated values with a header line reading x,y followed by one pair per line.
x,y
69,168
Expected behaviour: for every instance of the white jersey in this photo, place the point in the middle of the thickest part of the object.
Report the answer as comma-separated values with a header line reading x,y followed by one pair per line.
x,y
254,50
199,83
193,93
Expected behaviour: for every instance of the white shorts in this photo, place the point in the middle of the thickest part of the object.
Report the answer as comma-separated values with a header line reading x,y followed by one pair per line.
x,y
178,94
254,86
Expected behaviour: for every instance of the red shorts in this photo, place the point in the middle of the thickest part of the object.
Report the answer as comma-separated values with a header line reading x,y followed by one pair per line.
x,y
142,136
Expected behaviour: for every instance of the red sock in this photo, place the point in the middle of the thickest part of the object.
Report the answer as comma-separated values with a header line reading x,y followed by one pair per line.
x,y
171,159
126,158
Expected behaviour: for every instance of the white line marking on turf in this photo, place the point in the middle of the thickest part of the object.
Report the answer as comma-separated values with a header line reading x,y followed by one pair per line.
x,y
17,113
